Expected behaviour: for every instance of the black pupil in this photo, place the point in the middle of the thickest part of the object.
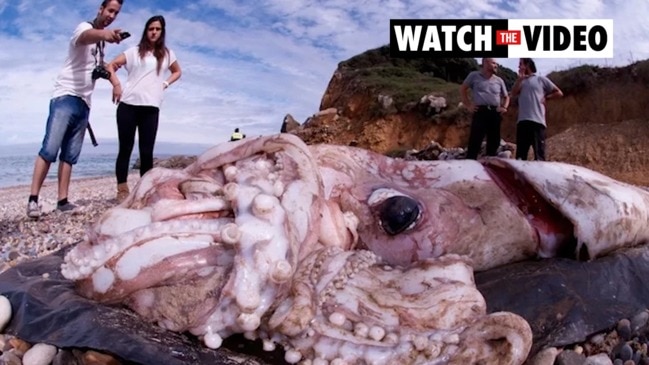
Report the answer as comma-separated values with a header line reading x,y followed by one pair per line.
x,y
397,214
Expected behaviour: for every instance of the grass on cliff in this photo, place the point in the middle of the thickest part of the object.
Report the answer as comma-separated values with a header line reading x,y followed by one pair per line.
x,y
586,77
408,80
406,85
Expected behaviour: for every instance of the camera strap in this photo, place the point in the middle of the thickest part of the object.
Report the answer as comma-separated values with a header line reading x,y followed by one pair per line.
x,y
100,48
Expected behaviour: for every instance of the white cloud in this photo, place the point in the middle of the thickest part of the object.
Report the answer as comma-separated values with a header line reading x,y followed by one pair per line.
x,y
247,64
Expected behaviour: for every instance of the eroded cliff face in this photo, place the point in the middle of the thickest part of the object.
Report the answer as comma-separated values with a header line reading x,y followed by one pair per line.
x,y
352,114
594,96
602,122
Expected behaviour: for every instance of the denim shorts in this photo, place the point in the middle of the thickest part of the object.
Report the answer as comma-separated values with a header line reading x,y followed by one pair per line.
x,y
65,130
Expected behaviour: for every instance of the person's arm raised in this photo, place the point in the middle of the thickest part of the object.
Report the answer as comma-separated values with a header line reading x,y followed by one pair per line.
x,y
91,36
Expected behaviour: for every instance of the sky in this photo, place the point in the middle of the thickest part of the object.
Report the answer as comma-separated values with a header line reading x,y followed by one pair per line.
x,y
248,64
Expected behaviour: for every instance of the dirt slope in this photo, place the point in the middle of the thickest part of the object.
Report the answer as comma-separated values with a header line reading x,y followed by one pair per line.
x,y
601,123
619,150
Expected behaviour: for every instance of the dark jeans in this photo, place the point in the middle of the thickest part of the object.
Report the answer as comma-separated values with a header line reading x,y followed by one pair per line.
x,y
145,120
486,122
530,134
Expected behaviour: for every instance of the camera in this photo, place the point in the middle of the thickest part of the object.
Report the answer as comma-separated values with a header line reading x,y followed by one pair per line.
x,y
100,72
124,35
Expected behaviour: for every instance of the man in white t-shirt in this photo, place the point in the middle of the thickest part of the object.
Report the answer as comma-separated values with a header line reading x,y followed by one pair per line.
x,y
70,104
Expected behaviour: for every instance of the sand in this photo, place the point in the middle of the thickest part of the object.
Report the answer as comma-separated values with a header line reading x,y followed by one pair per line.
x,y
23,238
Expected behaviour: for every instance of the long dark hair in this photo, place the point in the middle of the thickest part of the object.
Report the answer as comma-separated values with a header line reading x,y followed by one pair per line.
x,y
159,49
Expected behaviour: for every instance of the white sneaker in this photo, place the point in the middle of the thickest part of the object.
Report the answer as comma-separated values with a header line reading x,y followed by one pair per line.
x,y
33,210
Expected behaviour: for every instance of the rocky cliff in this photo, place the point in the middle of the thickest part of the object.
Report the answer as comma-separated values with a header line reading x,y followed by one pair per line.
x,y
389,105
392,105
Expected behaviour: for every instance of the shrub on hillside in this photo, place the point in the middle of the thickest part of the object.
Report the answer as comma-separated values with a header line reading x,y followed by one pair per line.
x,y
408,80
579,78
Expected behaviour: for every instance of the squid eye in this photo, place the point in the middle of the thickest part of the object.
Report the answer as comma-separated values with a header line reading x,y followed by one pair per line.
x,y
397,214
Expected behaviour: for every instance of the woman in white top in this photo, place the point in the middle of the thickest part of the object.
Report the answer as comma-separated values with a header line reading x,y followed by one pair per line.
x,y
139,103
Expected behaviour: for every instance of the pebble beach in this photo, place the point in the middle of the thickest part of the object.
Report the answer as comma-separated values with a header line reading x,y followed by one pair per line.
x,y
22,239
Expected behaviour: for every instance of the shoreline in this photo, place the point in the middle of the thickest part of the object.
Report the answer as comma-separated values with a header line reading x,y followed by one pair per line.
x,y
104,184
23,238
53,181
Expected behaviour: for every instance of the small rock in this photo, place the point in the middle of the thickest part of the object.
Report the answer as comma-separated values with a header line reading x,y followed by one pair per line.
x,y
569,357
65,357
19,345
599,359
546,356
637,356
624,329
40,354
10,358
625,353
639,321
5,312
13,255
97,358
598,339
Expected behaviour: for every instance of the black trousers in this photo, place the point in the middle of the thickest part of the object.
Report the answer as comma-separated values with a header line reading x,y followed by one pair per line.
x,y
530,134
130,118
486,122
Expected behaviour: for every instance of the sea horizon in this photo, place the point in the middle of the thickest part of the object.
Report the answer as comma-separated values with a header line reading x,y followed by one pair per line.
x,y
17,164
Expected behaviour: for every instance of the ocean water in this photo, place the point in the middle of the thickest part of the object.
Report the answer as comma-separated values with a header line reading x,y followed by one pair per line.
x,y
17,170
17,162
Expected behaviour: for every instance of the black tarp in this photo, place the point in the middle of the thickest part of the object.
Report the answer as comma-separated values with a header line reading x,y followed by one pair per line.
x,y
46,309
563,300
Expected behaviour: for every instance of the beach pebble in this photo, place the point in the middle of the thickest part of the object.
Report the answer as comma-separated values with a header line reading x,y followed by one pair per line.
x,y
10,358
599,359
623,352
639,321
624,329
65,357
5,312
39,354
598,339
19,346
546,356
569,357
97,358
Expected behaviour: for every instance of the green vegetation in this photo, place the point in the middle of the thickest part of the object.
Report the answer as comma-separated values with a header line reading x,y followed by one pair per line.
x,y
408,80
585,77
578,78
642,70
406,85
